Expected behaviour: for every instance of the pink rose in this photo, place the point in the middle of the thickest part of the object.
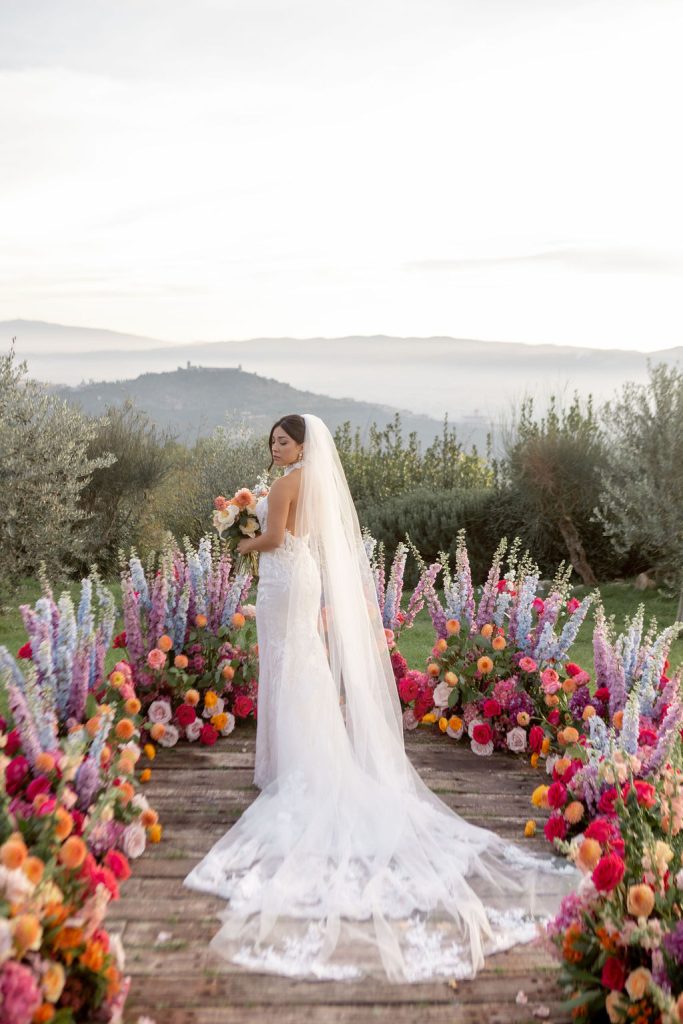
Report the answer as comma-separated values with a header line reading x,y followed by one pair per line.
x,y
243,706
555,827
159,711
208,735
491,708
527,664
156,659
408,690
550,681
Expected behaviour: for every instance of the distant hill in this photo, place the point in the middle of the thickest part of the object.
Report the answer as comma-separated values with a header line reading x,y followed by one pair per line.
x,y
193,401
430,376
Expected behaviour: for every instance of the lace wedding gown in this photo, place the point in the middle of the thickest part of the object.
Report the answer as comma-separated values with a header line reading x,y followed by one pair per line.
x,y
346,864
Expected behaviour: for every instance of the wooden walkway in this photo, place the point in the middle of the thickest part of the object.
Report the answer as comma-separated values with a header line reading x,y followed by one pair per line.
x,y
199,792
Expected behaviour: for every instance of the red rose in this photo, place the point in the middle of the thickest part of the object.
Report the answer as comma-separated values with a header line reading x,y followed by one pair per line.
x,y
647,738
24,651
554,716
408,690
185,714
557,795
40,784
208,735
491,708
120,640
572,669
536,737
555,827
15,774
118,863
645,793
482,734
243,706
606,801
602,693
423,704
13,743
608,872
600,829
613,974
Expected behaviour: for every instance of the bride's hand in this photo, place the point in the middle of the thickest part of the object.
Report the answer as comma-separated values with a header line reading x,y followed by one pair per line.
x,y
243,548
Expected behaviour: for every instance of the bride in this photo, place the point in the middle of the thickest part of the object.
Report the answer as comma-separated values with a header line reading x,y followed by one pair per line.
x,y
347,864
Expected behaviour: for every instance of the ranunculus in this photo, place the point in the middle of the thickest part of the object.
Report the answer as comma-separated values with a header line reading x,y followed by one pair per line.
x,y
557,795
243,706
156,659
482,733
536,736
607,800
588,853
638,983
491,708
208,735
516,740
555,827
608,872
538,604
185,714
13,743
159,711
423,704
613,974
640,900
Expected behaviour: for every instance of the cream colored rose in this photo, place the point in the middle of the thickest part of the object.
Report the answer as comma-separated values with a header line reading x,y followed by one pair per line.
x,y
640,900
638,983
250,527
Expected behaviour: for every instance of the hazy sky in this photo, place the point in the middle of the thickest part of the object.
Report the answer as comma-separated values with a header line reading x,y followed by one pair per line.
x,y
216,169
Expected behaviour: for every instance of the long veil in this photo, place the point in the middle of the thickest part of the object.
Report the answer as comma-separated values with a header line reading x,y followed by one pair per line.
x,y
347,864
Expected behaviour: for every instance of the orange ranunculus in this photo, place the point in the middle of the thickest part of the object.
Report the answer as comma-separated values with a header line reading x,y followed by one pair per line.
x,y
533,760
588,712
243,498
574,811
219,721
192,697
545,745
441,645
65,823
210,699
452,627
92,957
45,762
73,852
150,751
43,1014
126,763
551,700
561,765
27,932
92,726
33,868
228,672
530,828
200,621
568,686
487,630
569,735
124,729
105,755
164,643
433,669
157,730
443,724
588,854
498,643
13,853
451,679
154,833
181,661
485,665
640,900
145,775
618,719
125,792
149,817
132,706
238,620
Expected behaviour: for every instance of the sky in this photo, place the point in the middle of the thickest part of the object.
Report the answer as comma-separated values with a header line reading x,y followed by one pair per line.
x,y
224,169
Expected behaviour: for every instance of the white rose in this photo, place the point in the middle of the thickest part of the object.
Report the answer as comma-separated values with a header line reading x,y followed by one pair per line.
x,y
250,527
455,734
229,725
409,719
441,694
134,840
516,740
159,711
170,737
482,749
193,730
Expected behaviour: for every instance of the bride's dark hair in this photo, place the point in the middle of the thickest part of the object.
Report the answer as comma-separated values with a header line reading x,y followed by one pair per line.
x,y
293,425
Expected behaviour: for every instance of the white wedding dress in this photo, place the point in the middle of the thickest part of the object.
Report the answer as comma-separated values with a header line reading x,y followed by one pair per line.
x,y
346,864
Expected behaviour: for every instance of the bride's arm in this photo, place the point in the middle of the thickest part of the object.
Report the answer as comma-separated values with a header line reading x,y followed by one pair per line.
x,y
279,500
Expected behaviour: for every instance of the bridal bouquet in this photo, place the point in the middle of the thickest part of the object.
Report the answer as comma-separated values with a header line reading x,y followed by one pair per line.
x,y
236,517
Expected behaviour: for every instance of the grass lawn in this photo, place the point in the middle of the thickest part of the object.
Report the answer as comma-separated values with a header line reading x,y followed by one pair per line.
x,y
620,600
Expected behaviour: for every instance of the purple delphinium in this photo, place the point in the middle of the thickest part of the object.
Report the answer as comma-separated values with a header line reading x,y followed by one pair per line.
x,y
673,942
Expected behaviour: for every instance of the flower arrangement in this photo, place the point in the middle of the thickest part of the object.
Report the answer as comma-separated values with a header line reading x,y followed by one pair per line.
x,y
499,666
236,517
190,640
71,817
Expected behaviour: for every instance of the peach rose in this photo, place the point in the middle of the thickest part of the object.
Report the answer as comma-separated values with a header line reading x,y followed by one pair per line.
x,y
638,983
640,900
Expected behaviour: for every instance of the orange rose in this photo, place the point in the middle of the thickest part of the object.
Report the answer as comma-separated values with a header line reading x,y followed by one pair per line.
x,y
640,900
180,661
443,724
73,852
154,833
588,854
145,775
530,828
33,868
192,697
433,670
228,672
157,730
150,751
238,620
149,817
